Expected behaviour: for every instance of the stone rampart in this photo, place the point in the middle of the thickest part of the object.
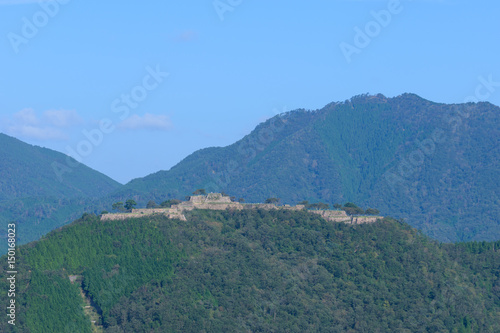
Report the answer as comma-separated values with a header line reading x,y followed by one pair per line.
x,y
365,219
216,201
121,216
333,215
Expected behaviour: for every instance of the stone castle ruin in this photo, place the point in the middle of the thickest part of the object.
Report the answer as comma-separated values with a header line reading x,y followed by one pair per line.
x,y
217,201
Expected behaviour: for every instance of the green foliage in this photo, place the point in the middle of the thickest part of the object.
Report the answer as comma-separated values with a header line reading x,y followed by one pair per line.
x,y
169,203
318,205
151,204
42,189
129,204
55,305
30,171
118,206
113,258
372,211
272,200
200,191
352,209
257,270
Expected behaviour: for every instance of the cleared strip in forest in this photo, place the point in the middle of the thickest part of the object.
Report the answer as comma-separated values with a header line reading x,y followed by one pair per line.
x,y
90,311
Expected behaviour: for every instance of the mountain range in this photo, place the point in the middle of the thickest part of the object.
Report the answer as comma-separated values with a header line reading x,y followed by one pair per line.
x,y
435,165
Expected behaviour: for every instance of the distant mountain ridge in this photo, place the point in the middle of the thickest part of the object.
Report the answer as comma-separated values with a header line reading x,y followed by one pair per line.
x,y
369,150
32,194
31,171
436,165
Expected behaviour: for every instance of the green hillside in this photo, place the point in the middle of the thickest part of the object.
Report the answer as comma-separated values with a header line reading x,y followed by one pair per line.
x,y
254,271
29,171
435,165
33,194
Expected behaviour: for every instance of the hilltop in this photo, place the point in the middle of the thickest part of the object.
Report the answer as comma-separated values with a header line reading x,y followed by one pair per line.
x,y
267,270
218,201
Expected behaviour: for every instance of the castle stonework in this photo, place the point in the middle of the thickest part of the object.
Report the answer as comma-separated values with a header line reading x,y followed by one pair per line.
x,y
216,201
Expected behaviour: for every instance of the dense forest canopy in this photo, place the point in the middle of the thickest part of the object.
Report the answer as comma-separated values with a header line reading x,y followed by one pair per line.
x,y
255,270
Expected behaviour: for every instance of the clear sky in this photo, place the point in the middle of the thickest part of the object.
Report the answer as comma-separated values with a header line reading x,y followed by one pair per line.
x,y
149,82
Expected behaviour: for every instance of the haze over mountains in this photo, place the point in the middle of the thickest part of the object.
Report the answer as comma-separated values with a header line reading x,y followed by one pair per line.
x,y
436,165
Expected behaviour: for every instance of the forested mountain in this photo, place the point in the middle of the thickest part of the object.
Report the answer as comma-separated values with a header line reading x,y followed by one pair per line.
x,y
42,189
31,171
253,271
436,165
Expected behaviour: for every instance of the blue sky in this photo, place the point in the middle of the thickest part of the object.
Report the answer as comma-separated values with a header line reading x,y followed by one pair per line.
x,y
150,82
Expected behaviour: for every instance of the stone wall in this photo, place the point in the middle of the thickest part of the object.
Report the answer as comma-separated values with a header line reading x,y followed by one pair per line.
x,y
209,198
150,211
121,216
217,201
365,219
333,215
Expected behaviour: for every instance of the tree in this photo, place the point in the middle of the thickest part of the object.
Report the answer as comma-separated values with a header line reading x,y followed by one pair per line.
x,y
322,205
168,203
200,191
129,204
337,206
304,202
151,204
241,200
319,205
372,211
272,200
118,206
352,209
